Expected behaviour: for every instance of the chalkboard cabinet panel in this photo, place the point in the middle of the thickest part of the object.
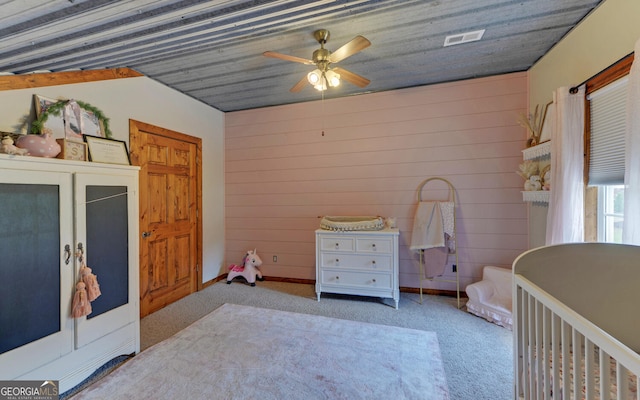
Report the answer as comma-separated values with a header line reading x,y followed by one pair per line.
x,y
36,220
57,214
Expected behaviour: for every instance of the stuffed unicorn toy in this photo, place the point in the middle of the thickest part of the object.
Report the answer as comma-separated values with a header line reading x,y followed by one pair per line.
x,y
249,270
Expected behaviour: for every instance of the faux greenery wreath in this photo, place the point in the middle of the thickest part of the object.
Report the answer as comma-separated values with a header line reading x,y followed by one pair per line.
x,y
57,107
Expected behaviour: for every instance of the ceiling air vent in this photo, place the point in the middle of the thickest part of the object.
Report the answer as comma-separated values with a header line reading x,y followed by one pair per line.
x,y
463,38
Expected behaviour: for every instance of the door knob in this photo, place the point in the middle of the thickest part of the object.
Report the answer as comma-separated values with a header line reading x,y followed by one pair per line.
x,y
146,234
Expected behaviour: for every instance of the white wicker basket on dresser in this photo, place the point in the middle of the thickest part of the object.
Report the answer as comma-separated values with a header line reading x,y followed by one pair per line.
x,y
361,263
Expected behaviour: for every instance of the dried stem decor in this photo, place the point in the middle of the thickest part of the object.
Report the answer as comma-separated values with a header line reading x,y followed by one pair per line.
x,y
533,124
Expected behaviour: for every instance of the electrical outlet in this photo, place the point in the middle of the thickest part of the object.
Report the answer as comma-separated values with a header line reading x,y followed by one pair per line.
x,y
275,258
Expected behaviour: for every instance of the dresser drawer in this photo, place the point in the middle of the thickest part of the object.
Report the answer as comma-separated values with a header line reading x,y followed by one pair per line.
x,y
374,245
371,262
337,277
337,243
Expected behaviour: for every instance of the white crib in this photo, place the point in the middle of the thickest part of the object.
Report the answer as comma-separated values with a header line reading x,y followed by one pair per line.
x,y
577,322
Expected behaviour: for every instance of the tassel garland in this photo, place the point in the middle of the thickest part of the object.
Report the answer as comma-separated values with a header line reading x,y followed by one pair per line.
x,y
87,290
91,282
81,305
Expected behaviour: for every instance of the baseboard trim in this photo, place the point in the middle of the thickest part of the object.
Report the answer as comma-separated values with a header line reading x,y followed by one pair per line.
x,y
435,292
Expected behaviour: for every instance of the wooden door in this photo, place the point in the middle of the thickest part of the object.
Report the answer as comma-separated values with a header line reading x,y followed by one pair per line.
x,y
170,187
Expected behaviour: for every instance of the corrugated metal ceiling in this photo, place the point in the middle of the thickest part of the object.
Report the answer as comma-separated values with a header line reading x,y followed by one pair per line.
x,y
212,50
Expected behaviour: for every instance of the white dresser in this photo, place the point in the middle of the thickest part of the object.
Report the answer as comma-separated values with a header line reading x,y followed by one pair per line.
x,y
358,262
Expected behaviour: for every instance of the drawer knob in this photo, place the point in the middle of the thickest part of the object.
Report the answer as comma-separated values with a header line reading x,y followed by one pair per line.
x,y
374,281
374,246
337,277
337,261
373,262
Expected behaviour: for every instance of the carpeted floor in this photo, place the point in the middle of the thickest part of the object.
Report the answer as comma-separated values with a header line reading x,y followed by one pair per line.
x,y
477,355
241,352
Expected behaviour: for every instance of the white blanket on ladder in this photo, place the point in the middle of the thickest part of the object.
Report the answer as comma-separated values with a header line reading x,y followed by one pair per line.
x,y
432,224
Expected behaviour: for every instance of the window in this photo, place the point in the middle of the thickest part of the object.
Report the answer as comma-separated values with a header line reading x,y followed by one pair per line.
x,y
604,150
607,108
610,213
607,111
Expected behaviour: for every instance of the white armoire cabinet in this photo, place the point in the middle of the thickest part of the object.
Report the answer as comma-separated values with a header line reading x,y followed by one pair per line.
x,y
52,211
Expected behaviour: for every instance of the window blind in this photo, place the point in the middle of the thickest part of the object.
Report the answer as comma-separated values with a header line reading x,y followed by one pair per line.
x,y
608,122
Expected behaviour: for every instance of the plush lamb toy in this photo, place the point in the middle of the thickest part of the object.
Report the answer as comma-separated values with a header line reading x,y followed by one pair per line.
x,y
7,147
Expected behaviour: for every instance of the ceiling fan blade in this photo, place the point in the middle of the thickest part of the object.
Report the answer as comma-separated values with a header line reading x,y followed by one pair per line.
x,y
355,45
286,57
298,86
350,77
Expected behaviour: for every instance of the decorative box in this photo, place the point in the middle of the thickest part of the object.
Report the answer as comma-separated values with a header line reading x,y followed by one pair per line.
x,y
72,150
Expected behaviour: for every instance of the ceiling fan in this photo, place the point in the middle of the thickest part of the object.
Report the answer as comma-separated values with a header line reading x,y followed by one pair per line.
x,y
324,76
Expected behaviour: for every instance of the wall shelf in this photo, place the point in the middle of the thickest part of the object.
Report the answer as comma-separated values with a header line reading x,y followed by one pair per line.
x,y
538,151
537,196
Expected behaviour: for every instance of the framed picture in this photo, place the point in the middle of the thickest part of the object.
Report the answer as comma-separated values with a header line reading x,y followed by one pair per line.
x,y
108,151
547,122
91,124
74,119
72,115
54,124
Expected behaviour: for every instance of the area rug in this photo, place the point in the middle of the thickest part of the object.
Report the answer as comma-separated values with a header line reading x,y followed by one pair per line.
x,y
241,352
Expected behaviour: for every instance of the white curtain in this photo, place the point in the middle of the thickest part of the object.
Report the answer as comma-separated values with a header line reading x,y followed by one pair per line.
x,y
631,223
565,217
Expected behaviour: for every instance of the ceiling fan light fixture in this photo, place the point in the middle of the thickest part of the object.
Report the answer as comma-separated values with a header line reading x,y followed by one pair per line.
x,y
314,77
333,78
322,84
321,87
323,77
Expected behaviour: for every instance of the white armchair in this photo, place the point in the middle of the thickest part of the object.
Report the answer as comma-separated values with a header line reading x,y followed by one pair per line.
x,y
491,297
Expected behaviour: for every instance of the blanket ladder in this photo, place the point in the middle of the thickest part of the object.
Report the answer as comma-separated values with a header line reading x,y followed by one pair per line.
x,y
423,277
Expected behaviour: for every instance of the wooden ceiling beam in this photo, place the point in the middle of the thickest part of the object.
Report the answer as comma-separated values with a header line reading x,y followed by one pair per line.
x,y
13,82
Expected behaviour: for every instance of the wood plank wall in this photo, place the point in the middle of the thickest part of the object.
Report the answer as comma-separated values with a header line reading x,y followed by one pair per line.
x,y
287,166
